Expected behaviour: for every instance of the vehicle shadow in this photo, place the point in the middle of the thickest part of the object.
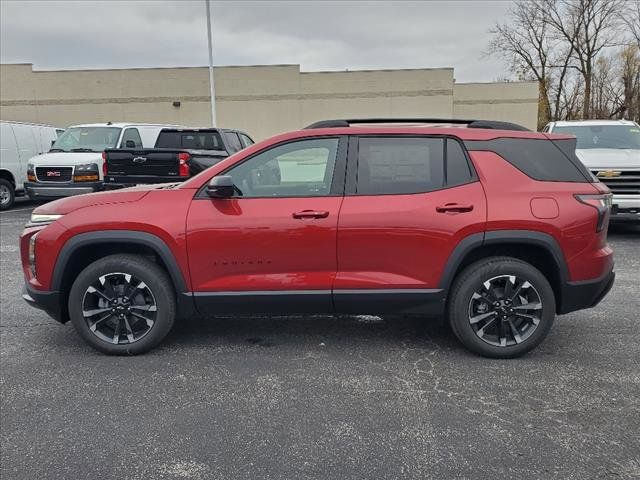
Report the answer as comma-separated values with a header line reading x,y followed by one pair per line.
x,y
350,331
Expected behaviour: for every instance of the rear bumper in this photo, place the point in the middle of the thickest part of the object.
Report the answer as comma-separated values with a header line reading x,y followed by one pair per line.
x,y
585,294
51,190
47,301
122,181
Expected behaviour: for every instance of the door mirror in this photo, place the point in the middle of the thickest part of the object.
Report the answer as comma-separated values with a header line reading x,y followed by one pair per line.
x,y
221,187
129,144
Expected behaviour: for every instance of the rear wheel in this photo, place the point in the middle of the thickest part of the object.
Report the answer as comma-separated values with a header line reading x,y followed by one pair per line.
x,y
7,194
501,307
122,304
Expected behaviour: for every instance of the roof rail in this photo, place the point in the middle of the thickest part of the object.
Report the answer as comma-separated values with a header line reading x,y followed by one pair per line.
x,y
489,124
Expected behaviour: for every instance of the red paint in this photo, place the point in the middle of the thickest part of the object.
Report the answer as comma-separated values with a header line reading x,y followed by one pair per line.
x,y
390,241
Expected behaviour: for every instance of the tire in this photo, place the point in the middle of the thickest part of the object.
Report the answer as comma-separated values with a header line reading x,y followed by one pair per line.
x,y
7,194
512,329
145,308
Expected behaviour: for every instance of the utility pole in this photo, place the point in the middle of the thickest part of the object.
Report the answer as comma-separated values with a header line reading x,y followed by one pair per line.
x,y
211,84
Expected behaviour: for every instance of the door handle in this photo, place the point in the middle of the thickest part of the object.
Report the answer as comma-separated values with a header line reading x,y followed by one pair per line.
x,y
454,208
310,214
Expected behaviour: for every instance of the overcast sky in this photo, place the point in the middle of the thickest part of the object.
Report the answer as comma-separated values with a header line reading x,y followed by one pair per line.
x,y
317,35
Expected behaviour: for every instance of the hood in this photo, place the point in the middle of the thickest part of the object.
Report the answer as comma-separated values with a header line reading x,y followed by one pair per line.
x,y
66,205
66,159
609,158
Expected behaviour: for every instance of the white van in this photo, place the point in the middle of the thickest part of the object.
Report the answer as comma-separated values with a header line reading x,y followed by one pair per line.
x,y
18,143
74,163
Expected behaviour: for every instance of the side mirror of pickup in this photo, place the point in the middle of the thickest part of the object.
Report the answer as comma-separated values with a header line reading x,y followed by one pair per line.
x,y
129,144
221,187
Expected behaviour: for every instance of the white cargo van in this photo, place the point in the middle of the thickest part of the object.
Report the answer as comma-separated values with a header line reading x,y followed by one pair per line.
x,y
74,163
18,143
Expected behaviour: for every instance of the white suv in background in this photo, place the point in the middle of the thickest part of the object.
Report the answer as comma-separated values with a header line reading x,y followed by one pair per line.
x,y
18,143
611,150
73,165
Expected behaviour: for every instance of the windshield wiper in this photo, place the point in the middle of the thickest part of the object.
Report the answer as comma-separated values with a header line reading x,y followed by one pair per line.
x,y
83,150
57,150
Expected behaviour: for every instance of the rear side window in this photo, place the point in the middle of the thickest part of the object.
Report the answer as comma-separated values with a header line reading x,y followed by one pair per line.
x,y
539,159
397,165
233,141
131,139
458,170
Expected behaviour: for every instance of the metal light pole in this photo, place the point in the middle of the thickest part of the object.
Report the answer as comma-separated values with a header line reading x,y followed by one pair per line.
x,y
211,84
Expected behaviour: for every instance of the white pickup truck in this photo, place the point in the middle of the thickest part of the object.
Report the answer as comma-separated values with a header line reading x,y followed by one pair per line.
x,y
73,165
611,150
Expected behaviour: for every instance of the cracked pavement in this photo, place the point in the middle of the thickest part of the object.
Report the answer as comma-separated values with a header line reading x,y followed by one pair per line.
x,y
320,397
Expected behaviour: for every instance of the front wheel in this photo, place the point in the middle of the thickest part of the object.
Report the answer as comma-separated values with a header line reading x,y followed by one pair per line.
x,y
501,307
7,194
122,304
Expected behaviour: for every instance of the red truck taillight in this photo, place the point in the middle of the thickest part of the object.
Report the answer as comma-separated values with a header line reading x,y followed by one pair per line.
x,y
183,162
104,163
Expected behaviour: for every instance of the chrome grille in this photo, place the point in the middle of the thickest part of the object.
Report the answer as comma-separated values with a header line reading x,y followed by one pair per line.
x,y
627,183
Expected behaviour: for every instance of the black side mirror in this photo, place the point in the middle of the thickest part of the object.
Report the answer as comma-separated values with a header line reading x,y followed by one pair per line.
x,y
221,187
129,144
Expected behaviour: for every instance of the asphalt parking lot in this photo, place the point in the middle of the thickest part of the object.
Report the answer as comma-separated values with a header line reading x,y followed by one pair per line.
x,y
320,397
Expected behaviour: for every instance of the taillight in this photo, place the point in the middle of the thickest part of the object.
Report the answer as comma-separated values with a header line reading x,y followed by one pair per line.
x,y
602,203
104,163
183,162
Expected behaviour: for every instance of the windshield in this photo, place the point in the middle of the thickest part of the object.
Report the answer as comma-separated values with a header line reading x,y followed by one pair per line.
x,y
86,139
603,136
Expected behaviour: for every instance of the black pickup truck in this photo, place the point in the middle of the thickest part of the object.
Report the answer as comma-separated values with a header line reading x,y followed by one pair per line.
x,y
178,154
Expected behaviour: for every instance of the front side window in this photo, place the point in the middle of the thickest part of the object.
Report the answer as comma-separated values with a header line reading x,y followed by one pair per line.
x,y
131,139
297,169
397,165
603,136
87,139
246,140
233,141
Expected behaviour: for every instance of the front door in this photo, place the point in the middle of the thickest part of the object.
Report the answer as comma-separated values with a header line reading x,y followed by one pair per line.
x,y
409,201
271,247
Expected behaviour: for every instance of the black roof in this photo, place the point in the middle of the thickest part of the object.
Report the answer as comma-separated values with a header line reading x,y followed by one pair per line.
x,y
489,124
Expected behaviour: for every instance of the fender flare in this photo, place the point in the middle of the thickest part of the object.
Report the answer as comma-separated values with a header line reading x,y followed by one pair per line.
x,y
109,236
496,237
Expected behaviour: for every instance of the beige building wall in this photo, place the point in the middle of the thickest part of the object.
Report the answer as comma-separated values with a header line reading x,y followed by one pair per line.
x,y
263,100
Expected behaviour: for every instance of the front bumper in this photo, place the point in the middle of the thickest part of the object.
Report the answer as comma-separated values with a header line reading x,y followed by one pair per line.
x,y
37,190
47,301
585,294
626,206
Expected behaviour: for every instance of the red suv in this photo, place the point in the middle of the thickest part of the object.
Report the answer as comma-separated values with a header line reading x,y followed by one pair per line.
x,y
494,226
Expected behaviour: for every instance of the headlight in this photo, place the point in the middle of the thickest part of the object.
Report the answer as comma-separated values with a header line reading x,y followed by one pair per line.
x,y
87,172
29,166
87,167
43,218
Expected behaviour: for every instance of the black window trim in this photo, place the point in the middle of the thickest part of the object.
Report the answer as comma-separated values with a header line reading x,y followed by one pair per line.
x,y
352,163
337,182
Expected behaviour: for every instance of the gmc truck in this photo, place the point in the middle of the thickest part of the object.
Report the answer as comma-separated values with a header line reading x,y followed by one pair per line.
x,y
178,154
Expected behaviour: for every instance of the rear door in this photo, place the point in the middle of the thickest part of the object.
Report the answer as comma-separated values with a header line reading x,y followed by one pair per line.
x,y
409,201
272,247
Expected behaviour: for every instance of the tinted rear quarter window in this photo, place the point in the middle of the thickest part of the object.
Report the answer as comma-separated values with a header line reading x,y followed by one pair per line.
x,y
458,170
540,159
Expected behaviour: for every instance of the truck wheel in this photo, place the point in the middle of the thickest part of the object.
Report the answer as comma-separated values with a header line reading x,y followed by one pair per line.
x,y
501,307
7,194
122,304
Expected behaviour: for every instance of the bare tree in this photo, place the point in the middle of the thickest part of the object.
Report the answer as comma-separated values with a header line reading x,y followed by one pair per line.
x,y
589,26
525,43
631,18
